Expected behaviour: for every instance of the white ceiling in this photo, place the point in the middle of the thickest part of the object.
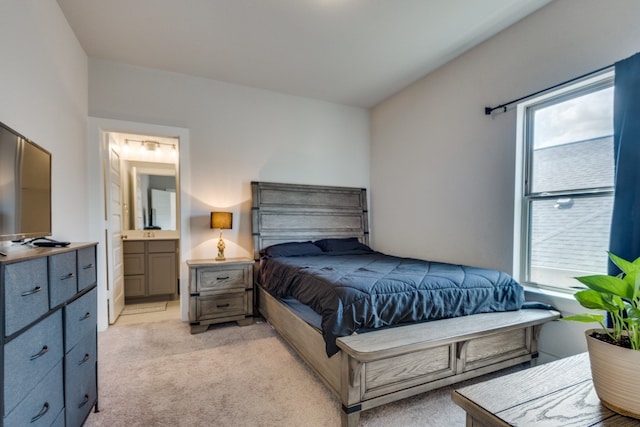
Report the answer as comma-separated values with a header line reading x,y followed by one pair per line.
x,y
353,52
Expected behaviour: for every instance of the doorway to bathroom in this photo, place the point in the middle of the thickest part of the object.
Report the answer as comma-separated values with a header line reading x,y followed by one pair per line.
x,y
144,202
141,212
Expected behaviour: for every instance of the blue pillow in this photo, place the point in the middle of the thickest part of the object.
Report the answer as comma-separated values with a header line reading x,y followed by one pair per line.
x,y
342,245
291,249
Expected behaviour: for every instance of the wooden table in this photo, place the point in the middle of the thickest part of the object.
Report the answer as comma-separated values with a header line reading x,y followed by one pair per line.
x,y
555,394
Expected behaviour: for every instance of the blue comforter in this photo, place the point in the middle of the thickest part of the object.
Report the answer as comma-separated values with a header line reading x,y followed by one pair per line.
x,y
359,291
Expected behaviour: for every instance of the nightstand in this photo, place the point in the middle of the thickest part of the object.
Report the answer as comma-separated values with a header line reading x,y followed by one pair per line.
x,y
220,291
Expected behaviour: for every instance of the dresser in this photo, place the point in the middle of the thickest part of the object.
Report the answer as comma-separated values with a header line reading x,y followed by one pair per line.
x,y
220,291
150,269
48,348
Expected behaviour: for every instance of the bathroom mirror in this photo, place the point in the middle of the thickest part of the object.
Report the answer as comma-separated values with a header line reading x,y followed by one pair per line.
x,y
149,196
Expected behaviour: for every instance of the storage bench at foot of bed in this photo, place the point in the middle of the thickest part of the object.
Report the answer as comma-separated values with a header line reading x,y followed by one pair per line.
x,y
391,364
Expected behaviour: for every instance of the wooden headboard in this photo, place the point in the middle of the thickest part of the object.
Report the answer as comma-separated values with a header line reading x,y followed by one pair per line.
x,y
294,213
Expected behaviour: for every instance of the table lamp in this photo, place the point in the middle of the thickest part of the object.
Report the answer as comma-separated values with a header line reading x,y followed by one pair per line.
x,y
223,221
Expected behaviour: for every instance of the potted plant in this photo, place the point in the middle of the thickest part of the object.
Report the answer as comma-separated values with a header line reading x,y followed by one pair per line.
x,y
614,352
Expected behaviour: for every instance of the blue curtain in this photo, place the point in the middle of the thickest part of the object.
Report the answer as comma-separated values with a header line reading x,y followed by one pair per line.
x,y
625,223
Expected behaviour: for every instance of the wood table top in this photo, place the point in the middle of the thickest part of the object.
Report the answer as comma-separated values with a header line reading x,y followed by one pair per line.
x,y
555,394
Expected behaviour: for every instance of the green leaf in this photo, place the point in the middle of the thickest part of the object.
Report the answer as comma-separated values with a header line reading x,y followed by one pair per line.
x,y
633,314
635,262
608,284
614,303
623,264
636,285
592,300
631,272
587,318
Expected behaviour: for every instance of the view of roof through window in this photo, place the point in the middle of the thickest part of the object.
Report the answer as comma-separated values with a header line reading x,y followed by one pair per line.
x,y
572,156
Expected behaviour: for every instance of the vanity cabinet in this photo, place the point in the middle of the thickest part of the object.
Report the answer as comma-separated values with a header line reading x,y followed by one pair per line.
x,y
150,269
220,291
48,348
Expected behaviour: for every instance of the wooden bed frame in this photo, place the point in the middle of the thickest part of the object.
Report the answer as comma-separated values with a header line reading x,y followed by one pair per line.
x,y
382,366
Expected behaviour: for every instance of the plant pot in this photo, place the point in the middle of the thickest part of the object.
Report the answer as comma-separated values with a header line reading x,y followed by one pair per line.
x,y
616,375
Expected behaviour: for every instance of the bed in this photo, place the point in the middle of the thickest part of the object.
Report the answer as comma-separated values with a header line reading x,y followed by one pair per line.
x,y
372,366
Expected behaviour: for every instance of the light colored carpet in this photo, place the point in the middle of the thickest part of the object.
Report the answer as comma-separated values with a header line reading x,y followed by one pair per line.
x,y
158,374
148,307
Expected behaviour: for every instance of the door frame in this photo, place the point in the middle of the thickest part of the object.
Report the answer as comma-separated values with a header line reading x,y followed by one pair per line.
x,y
96,127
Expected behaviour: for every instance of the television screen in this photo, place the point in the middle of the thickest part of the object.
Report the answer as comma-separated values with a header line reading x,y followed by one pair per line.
x,y
25,187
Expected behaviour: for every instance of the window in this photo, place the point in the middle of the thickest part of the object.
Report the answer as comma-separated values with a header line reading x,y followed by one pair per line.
x,y
566,196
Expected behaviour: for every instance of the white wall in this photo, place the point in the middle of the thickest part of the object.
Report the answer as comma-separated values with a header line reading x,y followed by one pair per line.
x,y
442,173
237,134
43,95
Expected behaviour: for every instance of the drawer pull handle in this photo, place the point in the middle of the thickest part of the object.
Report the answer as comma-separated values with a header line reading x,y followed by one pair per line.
x,y
85,359
44,410
222,278
41,353
67,276
84,401
32,291
222,305
88,266
86,316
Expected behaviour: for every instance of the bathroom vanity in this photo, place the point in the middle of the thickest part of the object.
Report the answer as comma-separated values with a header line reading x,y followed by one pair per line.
x,y
150,269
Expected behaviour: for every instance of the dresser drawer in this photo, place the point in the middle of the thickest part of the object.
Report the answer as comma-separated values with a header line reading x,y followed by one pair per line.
x,y
80,319
43,405
87,275
220,278
80,380
29,356
59,421
63,278
26,293
218,306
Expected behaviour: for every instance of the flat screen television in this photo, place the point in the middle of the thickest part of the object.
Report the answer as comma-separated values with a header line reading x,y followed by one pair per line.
x,y
25,187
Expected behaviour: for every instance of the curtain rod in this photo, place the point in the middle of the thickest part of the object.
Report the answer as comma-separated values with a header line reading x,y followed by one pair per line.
x,y
489,110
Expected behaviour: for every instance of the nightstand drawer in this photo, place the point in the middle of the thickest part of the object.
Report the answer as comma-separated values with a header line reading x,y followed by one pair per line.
x,y
219,306
220,278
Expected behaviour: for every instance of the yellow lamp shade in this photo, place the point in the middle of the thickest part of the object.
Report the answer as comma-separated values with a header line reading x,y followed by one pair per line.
x,y
222,220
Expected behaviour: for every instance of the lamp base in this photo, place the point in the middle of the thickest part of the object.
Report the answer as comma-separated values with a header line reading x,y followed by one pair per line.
x,y
221,246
